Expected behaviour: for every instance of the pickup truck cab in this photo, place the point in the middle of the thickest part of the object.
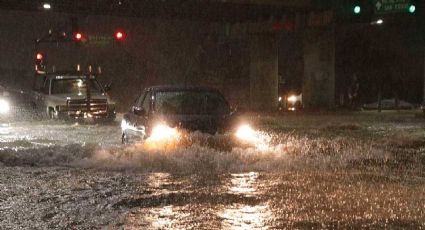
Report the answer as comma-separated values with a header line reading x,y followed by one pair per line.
x,y
71,95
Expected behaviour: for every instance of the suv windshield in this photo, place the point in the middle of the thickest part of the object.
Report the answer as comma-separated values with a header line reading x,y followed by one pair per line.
x,y
191,102
74,86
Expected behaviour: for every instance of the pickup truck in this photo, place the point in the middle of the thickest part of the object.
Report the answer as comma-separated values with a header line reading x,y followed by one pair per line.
x,y
71,96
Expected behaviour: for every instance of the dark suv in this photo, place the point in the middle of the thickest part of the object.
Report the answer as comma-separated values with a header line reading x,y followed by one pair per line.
x,y
183,107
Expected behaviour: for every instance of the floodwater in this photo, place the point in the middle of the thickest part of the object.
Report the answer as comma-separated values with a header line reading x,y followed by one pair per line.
x,y
63,175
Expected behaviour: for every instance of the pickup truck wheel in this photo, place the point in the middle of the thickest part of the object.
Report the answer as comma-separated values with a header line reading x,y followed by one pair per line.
x,y
50,114
124,138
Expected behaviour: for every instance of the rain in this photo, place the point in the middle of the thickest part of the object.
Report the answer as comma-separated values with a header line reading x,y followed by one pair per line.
x,y
193,114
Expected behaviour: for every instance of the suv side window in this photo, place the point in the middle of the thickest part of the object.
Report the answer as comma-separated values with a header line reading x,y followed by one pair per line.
x,y
216,104
139,99
146,102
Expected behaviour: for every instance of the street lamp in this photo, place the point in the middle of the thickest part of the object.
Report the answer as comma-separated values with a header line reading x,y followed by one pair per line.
x,y
379,21
47,6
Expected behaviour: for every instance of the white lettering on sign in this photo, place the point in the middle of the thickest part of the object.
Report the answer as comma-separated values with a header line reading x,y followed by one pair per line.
x,y
391,6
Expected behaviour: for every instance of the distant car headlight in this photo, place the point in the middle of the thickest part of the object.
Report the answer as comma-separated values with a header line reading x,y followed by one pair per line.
x,y
292,99
162,132
4,106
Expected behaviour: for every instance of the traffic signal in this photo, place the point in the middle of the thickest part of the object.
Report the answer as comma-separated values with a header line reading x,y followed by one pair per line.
x,y
414,6
40,65
119,35
78,36
357,9
39,56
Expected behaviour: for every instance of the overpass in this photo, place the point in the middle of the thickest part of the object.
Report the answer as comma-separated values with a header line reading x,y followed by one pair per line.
x,y
198,9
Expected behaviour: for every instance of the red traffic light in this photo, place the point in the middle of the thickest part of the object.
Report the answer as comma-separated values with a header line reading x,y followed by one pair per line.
x,y
78,36
39,56
39,63
119,35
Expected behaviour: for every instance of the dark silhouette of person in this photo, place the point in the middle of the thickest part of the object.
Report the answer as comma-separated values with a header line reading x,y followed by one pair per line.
x,y
353,92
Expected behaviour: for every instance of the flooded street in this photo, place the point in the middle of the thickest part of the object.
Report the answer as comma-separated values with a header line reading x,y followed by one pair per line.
x,y
351,171
212,114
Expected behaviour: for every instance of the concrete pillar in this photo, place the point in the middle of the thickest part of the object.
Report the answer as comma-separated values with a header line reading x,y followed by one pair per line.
x,y
263,72
423,92
319,68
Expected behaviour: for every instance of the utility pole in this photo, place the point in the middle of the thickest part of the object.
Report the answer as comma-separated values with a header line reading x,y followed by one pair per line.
x,y
423,93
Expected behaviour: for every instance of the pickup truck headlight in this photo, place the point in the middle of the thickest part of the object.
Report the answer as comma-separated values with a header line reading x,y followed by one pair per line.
x,y
292,99
4,106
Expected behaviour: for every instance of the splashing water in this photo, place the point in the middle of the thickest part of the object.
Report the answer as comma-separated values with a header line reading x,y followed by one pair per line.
x,y
59,144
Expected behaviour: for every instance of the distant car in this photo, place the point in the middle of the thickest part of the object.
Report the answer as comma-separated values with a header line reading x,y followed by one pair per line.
x,y
291,102
5,105
389,104
13,103
160,111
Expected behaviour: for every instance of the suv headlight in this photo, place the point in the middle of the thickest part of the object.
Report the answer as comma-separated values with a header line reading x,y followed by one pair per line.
x,y
246,133
4,106
162,132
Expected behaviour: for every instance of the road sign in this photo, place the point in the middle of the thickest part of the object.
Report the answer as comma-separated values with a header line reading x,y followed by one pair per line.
x,y
99,41
391,6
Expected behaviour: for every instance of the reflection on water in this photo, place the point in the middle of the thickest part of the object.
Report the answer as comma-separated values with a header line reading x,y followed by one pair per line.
x,y
159,182
163,217
243,216
181,203
244,184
